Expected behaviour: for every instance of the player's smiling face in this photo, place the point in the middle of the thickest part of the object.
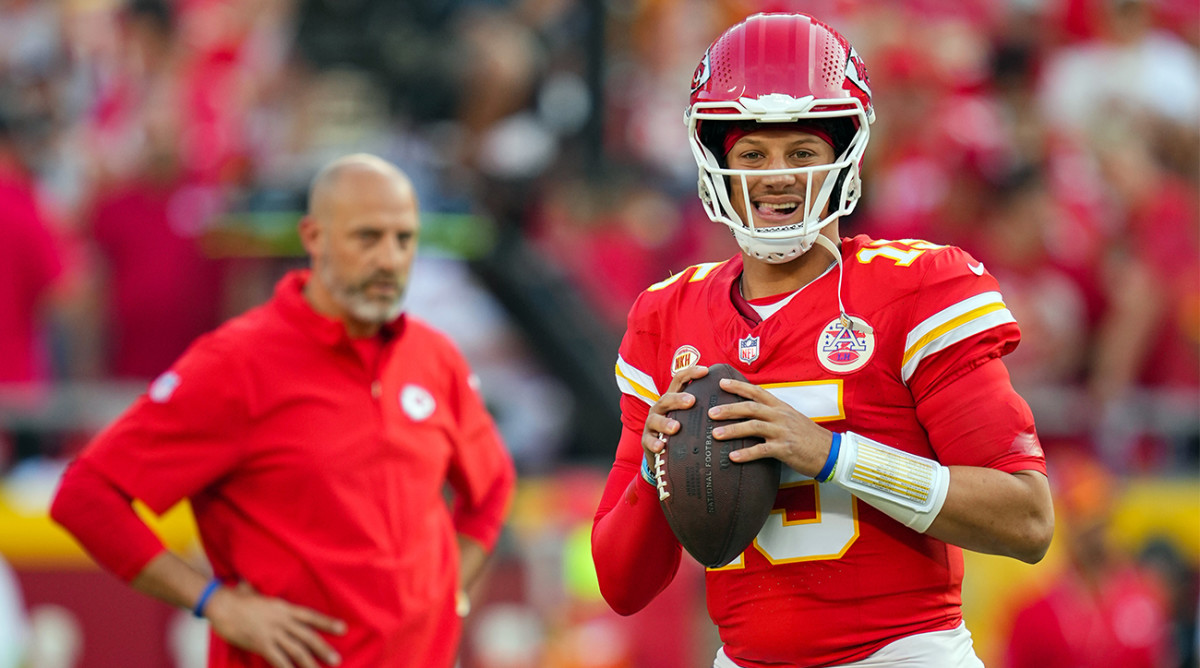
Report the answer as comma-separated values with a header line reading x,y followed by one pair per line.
x,y
777,199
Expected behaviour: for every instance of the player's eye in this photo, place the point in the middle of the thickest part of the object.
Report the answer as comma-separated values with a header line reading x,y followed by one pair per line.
x,y
749,157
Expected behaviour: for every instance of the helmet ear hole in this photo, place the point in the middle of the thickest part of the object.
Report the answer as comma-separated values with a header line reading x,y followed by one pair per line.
x,y
853,188
706,195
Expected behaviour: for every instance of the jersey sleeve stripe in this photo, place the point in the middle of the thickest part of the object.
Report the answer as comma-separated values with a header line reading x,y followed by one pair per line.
x,y
941,330
635,383
952,325
947,314
965,330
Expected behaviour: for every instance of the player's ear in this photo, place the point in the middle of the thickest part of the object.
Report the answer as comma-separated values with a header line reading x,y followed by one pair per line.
x,y
310,234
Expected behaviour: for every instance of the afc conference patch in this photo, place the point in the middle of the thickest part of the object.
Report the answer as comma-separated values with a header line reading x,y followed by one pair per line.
x,y
748,349
843,349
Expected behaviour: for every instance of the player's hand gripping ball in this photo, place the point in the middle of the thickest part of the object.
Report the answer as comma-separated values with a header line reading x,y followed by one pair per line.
x,y
715,507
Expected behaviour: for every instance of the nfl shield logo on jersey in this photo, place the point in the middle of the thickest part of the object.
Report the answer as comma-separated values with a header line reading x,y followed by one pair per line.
x,y
841,349
748,349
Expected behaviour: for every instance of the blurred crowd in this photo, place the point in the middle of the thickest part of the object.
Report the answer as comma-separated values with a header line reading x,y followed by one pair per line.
x,y
147,147
1056,140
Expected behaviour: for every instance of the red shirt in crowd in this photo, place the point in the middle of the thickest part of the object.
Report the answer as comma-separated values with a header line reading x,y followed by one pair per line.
x,y
1166,239
163,290
30,261
316,474
1120,620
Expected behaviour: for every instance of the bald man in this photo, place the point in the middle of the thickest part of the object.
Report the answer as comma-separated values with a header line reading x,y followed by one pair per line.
x,y
314,437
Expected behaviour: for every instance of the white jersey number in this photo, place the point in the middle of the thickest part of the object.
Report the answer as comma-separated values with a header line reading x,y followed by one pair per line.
x,y
834,527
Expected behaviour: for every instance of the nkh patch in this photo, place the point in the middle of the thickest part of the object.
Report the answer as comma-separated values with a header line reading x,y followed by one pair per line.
x,y
842,349
748,349
684,357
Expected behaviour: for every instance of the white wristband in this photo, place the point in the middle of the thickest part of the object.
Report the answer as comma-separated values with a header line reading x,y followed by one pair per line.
x,y
908,488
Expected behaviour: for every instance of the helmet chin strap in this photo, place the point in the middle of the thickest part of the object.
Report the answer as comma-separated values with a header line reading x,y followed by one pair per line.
x,y
772,251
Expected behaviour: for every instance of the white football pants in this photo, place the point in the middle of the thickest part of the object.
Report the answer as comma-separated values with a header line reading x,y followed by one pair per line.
x,y
937,649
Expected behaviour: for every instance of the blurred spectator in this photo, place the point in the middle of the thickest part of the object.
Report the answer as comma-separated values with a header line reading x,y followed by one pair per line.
x,y
160,134
616,235
1131,67
654,47
1161,555
190,70
1149,337
30,263
913,161
34,292
163,291
1018,51
1048,303
408,47
14,625
1103,610
1153,273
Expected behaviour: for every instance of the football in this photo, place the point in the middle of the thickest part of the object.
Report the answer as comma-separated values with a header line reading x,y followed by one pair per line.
x,y
714,506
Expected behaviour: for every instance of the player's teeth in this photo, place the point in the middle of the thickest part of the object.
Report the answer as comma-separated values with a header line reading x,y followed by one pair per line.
x,y
767,206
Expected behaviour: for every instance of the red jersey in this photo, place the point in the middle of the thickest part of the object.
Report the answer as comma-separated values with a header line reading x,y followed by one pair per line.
x,y
830,579
318,477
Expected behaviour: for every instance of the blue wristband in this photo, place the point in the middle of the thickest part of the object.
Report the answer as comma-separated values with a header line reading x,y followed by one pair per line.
x,y
647,474
212,587
826,471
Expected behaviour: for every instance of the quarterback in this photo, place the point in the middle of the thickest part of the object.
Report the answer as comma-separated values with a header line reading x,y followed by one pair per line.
x,y
875,376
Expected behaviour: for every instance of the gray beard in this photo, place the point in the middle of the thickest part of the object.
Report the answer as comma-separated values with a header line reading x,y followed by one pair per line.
x,y
352,299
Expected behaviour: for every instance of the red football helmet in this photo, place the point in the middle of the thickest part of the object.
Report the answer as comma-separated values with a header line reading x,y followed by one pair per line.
x,y
780,68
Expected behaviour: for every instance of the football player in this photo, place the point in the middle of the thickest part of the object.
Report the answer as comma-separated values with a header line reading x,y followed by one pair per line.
x,y
874,375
